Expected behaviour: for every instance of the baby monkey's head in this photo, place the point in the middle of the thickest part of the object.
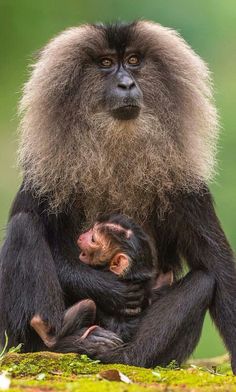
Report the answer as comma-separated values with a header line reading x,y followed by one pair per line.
x,y
116,243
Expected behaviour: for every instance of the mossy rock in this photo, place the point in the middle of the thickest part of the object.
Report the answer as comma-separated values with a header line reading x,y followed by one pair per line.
x,y
51,372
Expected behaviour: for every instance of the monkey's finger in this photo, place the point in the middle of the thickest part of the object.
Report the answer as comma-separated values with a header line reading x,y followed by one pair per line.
x,y
134,300
132,312
105,341
131,288
100,333
88,331
134,304
106,334
135,294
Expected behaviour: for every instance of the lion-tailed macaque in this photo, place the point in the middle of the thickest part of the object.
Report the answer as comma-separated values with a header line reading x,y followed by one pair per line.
x,y
118,118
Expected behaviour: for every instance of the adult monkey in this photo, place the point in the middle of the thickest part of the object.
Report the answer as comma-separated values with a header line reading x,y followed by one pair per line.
x,y
118,118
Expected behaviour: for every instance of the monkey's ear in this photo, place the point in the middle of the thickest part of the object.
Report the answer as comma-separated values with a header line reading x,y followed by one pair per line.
x,y
119,263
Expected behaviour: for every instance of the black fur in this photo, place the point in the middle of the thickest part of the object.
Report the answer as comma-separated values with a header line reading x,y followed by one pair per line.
x,y
41,273
118,35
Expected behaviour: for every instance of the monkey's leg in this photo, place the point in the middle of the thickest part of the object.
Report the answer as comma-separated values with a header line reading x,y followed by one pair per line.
x,y
28,283
171,326
79,334
203,244
77,320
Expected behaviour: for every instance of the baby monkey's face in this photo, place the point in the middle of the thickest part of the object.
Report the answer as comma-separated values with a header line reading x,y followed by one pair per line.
x,y
99,248
93,245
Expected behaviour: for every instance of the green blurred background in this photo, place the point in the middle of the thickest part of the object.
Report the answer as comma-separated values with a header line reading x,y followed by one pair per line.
x,y
208,25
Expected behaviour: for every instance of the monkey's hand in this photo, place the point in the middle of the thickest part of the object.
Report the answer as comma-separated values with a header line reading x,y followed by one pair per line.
x,y
98,342
111,294
92,341
123,297
138,296
97,336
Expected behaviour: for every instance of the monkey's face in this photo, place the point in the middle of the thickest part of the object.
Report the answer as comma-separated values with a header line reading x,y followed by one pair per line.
x,y
96,247
123,97
104,70
117,73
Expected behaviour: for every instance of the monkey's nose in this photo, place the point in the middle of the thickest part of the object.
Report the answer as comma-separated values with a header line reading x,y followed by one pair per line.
x,y
126,83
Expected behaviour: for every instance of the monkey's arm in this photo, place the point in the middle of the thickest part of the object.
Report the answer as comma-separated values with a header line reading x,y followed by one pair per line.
x,y
203,243
80,281
28,282
76,279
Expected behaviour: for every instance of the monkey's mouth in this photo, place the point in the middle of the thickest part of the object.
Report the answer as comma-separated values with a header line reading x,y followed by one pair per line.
x,y
126,112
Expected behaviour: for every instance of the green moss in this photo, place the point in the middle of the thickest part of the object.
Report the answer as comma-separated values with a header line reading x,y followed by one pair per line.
x,y
46,371
49,363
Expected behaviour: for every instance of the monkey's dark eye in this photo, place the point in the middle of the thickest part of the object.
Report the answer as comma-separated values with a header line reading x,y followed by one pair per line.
x,y
93,240
106,62
134,60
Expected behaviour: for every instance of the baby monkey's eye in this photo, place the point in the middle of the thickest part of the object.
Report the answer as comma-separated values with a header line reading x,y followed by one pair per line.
x,y
133,60
93,240
106,62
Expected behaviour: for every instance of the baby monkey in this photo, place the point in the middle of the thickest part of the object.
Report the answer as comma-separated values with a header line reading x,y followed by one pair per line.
x,y
116,244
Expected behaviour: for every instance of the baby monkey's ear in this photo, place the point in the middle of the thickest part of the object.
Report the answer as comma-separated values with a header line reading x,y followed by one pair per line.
x,y
119,263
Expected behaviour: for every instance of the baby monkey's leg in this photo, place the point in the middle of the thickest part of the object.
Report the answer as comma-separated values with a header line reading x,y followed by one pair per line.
x,y
77,321
77,331
79,316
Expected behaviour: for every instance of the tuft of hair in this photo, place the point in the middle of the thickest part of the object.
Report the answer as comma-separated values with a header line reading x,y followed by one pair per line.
x,y
73,151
